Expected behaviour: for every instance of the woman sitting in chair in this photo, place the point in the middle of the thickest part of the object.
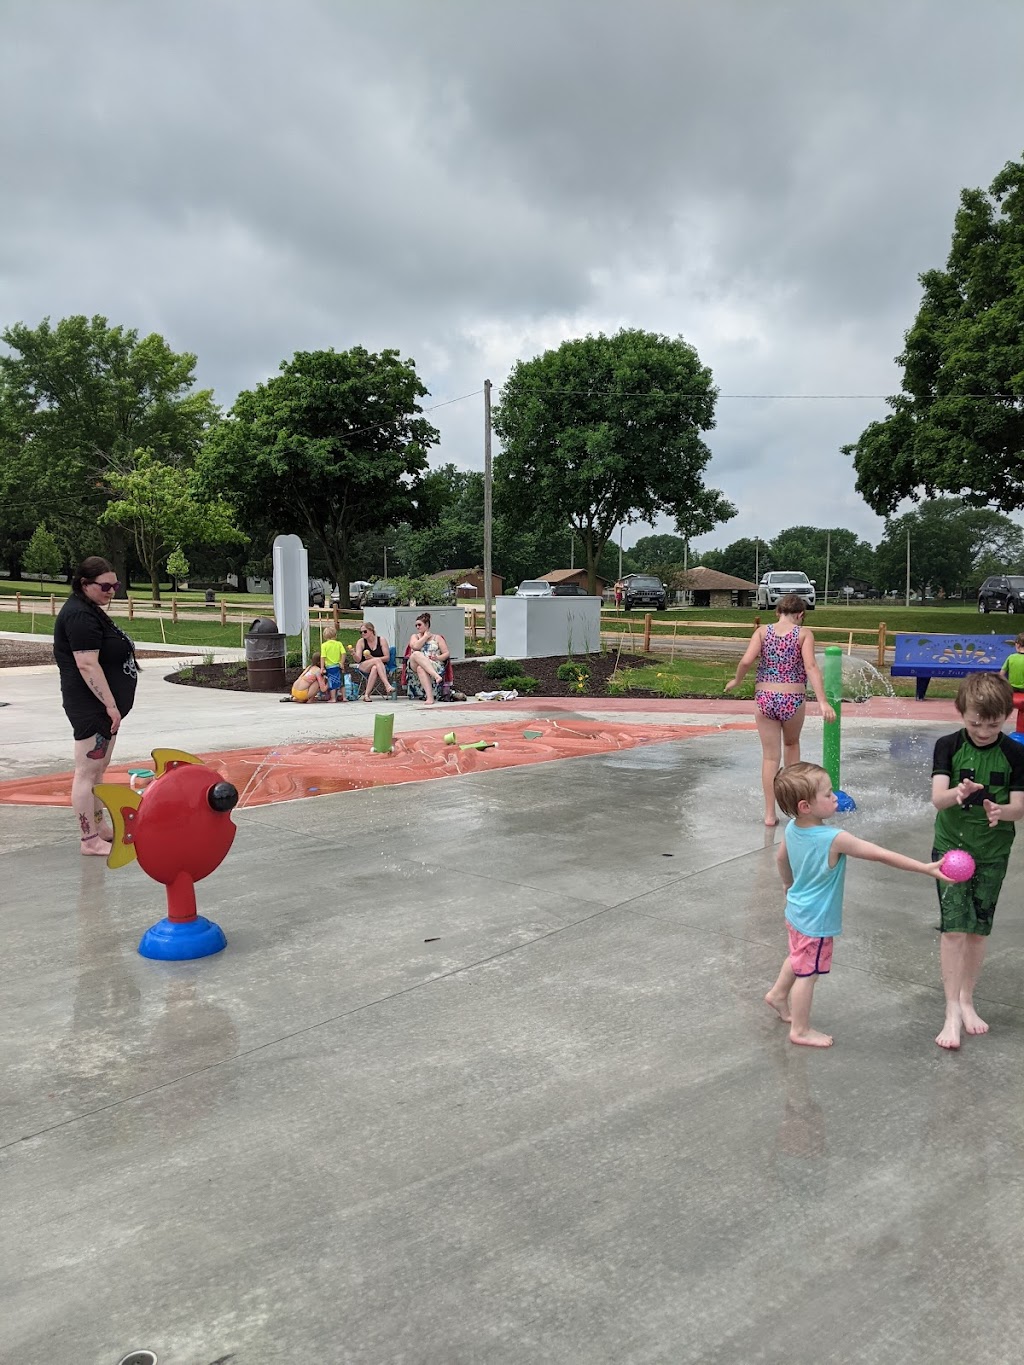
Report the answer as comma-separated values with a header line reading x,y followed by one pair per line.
x,y
372,652
428,658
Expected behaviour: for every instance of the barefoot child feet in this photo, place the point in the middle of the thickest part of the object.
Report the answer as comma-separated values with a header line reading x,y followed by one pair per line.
x,y
812,864
977,792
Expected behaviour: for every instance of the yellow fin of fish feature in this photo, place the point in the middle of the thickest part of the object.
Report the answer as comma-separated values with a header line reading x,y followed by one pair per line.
x,y
170,758
118,799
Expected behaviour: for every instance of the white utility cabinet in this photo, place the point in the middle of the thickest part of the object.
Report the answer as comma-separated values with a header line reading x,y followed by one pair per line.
x,y
539,627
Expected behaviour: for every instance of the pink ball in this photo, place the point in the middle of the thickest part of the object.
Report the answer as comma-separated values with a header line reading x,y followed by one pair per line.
x,y
957,865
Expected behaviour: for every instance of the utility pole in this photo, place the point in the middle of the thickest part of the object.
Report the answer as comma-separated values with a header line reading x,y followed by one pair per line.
x,y
385,563
620,552
757,560
828,561
488,593
572,551
908,569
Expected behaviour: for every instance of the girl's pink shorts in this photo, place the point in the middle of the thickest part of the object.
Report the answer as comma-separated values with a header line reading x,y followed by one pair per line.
x,y
809,956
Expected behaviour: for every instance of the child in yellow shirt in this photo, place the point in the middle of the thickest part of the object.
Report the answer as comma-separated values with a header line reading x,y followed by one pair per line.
x,y
332,651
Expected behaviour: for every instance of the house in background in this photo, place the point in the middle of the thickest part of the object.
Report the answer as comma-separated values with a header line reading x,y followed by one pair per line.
x,y
578,576
466,579
702,587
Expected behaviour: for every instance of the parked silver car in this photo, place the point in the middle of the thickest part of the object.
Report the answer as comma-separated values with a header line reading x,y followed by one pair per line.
x,y
534,587
774,586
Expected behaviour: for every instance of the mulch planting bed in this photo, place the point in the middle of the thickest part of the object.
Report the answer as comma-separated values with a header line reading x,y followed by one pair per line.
x,y
469,676
14,654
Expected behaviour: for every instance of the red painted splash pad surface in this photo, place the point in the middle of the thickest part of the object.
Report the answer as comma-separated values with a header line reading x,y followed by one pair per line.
x,y
290,772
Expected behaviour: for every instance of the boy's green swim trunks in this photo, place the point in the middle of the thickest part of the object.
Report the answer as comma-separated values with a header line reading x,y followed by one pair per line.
x,y
968,907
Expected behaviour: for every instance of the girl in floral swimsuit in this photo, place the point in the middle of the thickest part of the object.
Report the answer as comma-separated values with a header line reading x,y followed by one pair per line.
x,y
785,661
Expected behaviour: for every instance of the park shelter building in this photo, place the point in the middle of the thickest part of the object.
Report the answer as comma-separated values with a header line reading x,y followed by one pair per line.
x,y
578,576
472,578
701,587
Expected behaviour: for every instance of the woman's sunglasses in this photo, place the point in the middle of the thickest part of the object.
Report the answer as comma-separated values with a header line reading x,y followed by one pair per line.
x,y
106,587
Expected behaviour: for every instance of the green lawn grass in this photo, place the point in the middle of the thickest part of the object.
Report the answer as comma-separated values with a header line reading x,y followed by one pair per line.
x,y
707,678
956,620
202,634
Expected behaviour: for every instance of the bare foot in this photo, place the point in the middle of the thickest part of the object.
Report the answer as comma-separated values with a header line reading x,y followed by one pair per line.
x,y
973,1022
95,847
949,1038
812,1038
781,1007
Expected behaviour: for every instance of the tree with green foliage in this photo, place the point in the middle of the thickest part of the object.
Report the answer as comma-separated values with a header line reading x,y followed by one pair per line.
x,y
177,566
42,556
952,547
604,431
76,401
159,507
958,425
329,448
744,558
650,551
835,554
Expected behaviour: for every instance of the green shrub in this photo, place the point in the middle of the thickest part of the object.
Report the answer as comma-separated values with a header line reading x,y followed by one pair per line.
x,y
502,668
523,683
571,671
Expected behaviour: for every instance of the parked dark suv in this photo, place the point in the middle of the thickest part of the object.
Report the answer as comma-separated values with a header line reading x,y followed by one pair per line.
x,y
380,595
643,590
1001,592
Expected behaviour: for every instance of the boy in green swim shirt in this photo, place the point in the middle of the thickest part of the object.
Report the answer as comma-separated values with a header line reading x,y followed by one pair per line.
x,y
1013,671
978,791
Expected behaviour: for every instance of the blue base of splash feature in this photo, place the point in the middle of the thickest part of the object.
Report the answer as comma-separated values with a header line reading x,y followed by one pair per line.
x,y
182,940
1017,735
845,803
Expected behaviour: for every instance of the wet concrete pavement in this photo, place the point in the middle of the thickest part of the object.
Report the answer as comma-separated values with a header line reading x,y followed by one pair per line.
x,y
484,1074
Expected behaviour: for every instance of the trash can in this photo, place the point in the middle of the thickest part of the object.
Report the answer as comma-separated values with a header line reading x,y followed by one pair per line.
x,y
209,597
264,656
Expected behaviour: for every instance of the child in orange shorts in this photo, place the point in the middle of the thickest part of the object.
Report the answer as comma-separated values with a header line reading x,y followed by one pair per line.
x,y
812,864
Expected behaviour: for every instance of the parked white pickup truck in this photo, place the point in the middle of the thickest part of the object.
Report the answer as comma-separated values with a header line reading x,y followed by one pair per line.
x,y
779,583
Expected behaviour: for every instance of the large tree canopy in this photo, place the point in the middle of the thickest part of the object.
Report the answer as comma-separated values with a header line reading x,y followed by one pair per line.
x,y
159,507
76,401
606,430
952,547
328,449
958,425
835,554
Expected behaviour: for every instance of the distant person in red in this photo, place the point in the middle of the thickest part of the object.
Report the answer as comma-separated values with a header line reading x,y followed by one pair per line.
x,y
618,595
98,675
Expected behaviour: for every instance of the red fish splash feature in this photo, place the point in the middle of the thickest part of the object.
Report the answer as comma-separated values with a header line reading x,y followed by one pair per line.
x,y
179,830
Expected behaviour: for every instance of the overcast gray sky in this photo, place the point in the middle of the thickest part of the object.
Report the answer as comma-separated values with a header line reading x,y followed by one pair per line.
x,y
474,181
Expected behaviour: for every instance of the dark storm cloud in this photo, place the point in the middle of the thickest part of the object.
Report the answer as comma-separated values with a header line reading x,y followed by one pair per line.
x,y
473,182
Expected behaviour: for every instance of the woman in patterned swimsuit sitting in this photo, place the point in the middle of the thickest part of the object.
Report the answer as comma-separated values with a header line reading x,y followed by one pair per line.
x,y
785,661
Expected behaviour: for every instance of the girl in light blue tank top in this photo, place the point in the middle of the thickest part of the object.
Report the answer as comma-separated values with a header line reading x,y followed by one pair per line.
x,y
812,864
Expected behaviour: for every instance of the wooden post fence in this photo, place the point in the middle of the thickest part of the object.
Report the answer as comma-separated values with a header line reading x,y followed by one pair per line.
x,y
131,609
18,597
223,612
174,610
647,633
881,645
53,605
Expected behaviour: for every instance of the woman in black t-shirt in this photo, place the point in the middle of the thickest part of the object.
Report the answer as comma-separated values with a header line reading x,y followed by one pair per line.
x,y
98,673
